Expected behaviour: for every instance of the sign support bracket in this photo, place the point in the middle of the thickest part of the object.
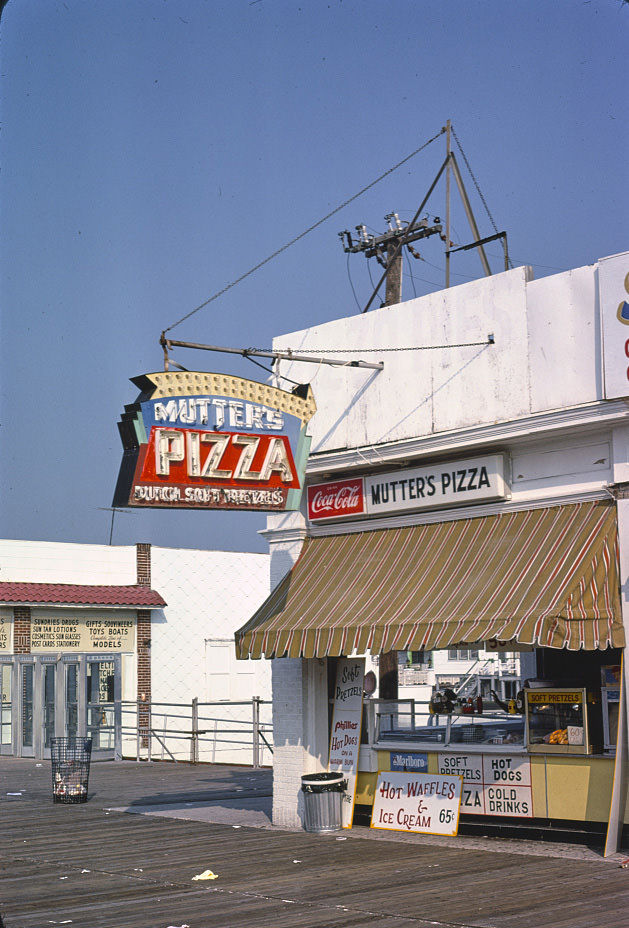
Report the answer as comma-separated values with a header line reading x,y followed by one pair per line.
x,y
168,344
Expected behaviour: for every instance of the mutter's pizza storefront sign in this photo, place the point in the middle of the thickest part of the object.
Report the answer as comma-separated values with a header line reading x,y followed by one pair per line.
x,y
196,440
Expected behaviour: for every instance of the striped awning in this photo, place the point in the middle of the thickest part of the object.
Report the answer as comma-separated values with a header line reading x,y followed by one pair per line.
x,y
545,577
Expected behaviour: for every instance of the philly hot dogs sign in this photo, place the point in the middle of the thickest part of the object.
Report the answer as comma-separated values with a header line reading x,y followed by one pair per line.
x,y
197,440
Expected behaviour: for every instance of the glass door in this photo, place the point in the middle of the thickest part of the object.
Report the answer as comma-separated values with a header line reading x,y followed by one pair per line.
x,y
49,702
77,695
6,709
27,690
72,700
104,707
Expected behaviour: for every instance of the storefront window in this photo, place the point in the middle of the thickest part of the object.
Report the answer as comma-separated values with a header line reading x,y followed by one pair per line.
x,y
455,723
49,703
72,700
6,706
27,706
100,707
488,701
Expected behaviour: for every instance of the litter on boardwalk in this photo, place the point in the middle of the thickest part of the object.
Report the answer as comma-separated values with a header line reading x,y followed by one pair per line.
x,y
206,875
64,787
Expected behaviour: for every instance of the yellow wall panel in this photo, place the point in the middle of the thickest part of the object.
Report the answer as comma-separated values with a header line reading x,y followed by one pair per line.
x,y
579,788
576,788
366,788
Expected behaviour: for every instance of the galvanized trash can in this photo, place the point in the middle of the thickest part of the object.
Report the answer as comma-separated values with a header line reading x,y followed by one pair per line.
x,y
323,793
70,768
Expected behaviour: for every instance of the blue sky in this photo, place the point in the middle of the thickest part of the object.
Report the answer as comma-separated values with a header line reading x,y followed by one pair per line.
x,y
154,151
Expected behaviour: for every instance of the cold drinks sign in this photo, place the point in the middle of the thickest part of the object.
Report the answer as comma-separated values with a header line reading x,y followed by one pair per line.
x,y
207,441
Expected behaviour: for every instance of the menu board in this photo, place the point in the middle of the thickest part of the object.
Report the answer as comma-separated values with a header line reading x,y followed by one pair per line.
x,y
80,631
493,784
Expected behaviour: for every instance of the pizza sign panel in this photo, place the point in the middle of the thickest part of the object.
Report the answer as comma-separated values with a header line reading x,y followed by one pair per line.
x,y
230,444
436,486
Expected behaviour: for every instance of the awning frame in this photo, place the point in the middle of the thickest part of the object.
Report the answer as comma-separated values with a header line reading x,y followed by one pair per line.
x,y
549,577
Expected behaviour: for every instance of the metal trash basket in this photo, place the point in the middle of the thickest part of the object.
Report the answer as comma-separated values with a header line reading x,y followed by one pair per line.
x,y
70,768
323,793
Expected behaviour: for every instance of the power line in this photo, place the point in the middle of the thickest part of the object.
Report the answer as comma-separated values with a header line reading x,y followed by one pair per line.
x,y
476,184
306,232
490,340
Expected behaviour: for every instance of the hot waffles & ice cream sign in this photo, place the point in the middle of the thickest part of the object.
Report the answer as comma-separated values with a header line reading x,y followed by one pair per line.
x,y
208,441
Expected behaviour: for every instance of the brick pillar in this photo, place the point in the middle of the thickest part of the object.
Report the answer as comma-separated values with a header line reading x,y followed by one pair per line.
x,y
22,630
143,564
143,575
144,671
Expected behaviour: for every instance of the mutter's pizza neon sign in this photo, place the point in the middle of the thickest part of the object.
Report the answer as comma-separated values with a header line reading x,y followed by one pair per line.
x,y
197,440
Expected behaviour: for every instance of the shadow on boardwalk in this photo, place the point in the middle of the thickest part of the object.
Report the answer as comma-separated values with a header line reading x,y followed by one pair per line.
x,y
94,866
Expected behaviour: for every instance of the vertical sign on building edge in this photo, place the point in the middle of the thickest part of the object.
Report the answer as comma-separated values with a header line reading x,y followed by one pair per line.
x,y
613,281
346,728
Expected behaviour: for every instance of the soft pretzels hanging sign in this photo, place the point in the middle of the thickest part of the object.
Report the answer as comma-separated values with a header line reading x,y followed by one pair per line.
x,y
196,440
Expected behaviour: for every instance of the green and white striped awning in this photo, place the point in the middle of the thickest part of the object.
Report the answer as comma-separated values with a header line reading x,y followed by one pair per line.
x,y
546,577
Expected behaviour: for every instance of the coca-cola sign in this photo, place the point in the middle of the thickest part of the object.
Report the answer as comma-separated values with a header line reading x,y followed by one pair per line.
x,y
333,500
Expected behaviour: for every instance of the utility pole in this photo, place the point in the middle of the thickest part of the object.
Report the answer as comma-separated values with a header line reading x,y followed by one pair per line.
x,y
387,248
393,292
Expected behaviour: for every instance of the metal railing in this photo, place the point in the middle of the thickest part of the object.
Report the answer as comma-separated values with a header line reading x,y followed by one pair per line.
x,y
413,676
195,732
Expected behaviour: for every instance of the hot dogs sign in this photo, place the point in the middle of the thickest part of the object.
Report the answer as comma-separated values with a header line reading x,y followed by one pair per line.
x,y
209,441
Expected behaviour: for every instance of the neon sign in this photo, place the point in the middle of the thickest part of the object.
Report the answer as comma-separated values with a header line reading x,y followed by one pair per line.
x,y
208,441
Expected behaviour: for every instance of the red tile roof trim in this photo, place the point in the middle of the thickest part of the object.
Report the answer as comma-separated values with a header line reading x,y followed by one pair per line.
x,y
76,594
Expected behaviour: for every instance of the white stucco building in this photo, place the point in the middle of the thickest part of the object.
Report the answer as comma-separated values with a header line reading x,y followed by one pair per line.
x,y
89,633
529,380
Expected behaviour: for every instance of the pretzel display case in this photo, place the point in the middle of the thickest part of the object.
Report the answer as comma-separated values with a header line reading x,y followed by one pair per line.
x,y
557,721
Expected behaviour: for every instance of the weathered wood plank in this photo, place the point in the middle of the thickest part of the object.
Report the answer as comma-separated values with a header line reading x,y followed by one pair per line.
x,y
139,868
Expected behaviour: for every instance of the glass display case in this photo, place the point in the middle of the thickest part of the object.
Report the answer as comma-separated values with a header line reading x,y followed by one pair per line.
x,y
404,722
557,721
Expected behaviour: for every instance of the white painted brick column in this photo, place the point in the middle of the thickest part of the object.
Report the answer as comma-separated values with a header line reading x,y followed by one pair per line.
x,y
300,716
289,756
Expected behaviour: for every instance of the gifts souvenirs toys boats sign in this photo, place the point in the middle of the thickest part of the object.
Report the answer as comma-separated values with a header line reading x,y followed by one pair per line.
x,y
209,441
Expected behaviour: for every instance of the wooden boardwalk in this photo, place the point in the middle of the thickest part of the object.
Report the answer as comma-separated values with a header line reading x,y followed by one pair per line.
x,y
89,867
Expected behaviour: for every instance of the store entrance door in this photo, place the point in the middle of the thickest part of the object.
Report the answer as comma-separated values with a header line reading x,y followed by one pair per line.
x,y
6,708
76,695
104,706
